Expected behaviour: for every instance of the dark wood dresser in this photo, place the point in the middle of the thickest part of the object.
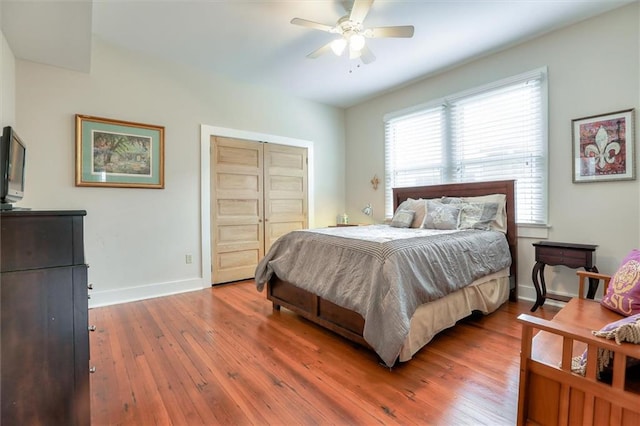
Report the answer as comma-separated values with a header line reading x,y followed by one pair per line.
x,y
44,312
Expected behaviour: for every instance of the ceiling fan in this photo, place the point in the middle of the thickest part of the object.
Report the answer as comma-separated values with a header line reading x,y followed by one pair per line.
x,y
352,32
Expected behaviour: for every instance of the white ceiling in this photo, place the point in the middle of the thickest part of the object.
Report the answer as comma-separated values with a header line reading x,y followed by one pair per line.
x,y
254,42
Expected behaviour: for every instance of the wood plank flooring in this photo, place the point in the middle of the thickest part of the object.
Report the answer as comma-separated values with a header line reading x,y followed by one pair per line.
x,y
222,356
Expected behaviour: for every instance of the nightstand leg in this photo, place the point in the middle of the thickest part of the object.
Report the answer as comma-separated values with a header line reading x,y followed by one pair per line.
x,y
593,283
537,276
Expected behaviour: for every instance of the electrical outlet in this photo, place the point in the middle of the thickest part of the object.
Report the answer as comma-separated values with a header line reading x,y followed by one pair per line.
x,y
188,258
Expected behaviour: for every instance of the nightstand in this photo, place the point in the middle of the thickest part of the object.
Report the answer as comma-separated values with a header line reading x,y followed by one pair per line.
x,y
567,254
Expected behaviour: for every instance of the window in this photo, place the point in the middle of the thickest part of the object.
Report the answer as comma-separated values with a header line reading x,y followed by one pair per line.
x,y
490,133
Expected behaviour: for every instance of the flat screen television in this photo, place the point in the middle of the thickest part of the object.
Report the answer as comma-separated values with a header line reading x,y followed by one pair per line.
x,y
12,167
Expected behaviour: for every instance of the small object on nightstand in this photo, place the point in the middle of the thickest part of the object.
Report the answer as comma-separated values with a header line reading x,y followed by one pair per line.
x,y
342,219
567,254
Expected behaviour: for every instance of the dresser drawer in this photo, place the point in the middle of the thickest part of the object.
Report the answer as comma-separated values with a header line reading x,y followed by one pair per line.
x,y
40,242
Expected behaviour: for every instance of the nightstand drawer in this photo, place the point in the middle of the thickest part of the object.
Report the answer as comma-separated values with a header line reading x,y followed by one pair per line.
x,y
570,258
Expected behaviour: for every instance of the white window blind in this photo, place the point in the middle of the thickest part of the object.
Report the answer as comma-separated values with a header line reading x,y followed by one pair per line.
x,y
491,133
414,151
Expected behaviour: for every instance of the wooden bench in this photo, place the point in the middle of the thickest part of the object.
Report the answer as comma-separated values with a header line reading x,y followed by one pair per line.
x,y
550,393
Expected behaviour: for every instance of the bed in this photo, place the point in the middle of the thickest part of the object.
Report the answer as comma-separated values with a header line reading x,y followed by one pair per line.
x,y
424,321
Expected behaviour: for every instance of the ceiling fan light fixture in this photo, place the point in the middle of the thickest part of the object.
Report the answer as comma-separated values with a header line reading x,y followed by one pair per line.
x,y
338,46
356,42
353,33
353,53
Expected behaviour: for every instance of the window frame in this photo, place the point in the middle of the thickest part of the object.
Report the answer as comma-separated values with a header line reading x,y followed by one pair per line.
x,y
540,74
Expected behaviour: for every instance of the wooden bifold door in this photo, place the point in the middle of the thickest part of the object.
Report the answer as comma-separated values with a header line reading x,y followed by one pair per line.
x,y
258,193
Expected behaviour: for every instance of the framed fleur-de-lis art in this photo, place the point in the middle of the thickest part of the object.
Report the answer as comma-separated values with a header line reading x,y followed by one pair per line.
x,y
603,147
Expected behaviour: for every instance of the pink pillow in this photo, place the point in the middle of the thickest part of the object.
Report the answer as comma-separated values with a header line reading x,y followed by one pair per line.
x,y
623,294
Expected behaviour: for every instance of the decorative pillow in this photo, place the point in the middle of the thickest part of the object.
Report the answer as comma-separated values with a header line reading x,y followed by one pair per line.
x,y
452,200
418,206
478,215
441,216
624,330
402,218
500,221
623,293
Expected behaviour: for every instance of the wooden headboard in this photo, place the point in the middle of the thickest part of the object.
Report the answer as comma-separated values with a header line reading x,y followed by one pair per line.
x,y
474,189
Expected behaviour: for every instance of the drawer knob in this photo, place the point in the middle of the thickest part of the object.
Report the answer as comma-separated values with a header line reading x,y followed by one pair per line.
x,y
92,328
92,369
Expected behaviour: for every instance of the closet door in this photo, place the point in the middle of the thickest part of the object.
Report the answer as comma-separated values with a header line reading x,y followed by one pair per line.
x,y
237,228
285,191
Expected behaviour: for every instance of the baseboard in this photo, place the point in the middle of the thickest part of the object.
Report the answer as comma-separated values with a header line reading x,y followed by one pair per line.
x,y
131,294
528,293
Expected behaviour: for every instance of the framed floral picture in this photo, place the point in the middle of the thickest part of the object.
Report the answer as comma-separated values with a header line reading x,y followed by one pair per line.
x,y
118,153
604,147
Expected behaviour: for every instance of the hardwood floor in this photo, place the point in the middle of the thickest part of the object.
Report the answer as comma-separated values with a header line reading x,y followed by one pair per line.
x,y
222,356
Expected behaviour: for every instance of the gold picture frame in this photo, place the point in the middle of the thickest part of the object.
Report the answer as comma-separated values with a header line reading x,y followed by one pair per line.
x,y
116,153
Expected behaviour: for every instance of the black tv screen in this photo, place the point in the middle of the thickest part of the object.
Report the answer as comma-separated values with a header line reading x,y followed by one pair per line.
x,y
12,167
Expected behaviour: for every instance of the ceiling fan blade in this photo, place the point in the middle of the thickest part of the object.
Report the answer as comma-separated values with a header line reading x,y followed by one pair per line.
x,y
400,31
359,10
320,51
311,24
347,5
366,56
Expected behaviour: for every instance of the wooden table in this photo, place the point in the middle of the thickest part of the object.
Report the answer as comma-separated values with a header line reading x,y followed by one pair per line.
x,y
567,254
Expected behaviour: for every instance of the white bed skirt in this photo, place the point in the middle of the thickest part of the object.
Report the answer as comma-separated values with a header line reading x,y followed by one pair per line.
x,y
486,295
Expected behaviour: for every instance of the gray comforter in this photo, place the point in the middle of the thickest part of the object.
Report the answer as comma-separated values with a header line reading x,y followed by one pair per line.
x,y
383,273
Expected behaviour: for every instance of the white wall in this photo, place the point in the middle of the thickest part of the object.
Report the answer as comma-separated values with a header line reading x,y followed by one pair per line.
x,y
7,84
136,239
593,69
